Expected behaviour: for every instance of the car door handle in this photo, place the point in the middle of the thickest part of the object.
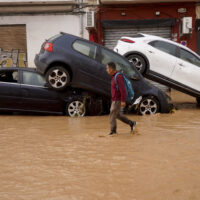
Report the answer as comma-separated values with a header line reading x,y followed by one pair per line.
x,y
150,51
180,64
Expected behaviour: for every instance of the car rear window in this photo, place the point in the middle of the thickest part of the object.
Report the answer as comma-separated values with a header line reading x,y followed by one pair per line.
x,y
51,39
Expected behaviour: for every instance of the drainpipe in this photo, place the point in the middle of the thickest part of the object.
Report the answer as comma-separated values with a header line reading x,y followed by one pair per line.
x,y
80,2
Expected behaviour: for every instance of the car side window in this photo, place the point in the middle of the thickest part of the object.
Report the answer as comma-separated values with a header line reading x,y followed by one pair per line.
x,y
31,78
189,57
121,64
85,48
10,76
164,46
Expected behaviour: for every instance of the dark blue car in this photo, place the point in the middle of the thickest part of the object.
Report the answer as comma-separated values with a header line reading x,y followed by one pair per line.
x,y
24,90
67,60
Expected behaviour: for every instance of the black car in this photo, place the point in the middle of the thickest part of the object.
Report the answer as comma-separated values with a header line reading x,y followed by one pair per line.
x,y
67,60
24,90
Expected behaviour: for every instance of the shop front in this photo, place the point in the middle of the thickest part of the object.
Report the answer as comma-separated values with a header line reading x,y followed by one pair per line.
x,y
162,19
167,20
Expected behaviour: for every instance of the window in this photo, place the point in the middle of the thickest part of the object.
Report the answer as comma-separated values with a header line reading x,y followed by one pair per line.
x,y
54,37
121,64
30,78
10,76
189,57
164,46
85,48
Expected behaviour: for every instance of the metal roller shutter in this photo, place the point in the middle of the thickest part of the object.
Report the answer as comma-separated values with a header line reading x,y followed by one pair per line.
x,y
13,50
111,36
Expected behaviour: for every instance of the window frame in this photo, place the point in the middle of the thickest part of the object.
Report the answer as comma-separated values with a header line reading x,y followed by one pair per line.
x,y
33,72
90,43
114,53
176,47
7,70
179,54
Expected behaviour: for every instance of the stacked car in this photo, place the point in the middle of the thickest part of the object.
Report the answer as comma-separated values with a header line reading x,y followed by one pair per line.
x,y
164,61
70,62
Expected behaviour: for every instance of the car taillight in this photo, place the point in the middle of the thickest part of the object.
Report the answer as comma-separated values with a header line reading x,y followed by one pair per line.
x,y
48,47
127,40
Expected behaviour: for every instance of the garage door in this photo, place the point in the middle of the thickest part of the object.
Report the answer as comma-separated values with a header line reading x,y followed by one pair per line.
x,y
13,49
112,35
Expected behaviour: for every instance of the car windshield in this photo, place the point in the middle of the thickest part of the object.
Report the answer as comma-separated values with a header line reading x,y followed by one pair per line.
x,y
122,65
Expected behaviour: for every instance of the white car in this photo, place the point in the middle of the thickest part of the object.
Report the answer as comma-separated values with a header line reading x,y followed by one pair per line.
x,y
164,61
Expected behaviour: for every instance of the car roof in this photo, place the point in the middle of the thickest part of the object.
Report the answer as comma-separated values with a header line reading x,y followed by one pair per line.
x,y
19,68
74,37
170,41
154,37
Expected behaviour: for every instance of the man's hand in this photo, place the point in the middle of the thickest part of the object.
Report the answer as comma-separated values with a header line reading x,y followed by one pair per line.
x,y
123,104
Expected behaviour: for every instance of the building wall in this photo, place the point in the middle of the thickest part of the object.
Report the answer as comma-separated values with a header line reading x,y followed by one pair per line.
x,y
41,27
13,46
147,11
198,11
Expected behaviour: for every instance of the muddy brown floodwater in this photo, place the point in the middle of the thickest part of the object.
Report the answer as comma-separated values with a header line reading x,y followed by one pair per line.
x,y
60,158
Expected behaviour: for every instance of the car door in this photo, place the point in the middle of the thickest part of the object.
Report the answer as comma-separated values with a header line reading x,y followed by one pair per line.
x,y
187,70
37,97
10,95
89,75
162,57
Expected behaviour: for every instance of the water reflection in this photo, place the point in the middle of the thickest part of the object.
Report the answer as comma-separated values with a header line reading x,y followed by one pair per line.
x,y
59,158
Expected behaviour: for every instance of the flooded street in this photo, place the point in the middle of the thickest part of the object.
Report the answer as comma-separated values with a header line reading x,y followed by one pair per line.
x,y
62,158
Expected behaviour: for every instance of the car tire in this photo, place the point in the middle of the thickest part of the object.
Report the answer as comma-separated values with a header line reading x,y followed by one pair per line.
x,y
75,107
138,61
198,100
58,78
148,105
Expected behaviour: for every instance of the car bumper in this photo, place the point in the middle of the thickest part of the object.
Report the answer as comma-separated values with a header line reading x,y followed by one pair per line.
x,y
40,66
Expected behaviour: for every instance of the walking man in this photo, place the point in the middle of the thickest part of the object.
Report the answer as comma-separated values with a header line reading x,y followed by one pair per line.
x,y
118,99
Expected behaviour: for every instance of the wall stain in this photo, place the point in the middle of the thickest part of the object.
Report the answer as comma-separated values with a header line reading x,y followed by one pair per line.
x,y
13,58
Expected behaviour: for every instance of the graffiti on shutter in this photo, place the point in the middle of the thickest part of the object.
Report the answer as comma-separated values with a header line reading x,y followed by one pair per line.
x,y
13,58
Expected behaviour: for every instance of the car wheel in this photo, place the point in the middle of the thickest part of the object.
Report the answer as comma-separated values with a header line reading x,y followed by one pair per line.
x,y
198,100
57,78
76,107
138,62
148,105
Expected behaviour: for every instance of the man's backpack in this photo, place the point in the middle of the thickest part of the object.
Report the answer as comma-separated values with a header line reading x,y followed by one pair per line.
x,y
128,86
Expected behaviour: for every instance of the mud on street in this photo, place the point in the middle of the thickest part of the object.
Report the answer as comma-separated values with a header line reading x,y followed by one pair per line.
x,y
59,158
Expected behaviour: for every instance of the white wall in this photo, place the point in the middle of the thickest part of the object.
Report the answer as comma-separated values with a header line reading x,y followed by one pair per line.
x,y
41,27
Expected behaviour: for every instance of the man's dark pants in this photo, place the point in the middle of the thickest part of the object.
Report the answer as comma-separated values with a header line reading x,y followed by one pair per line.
x,y
115,114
